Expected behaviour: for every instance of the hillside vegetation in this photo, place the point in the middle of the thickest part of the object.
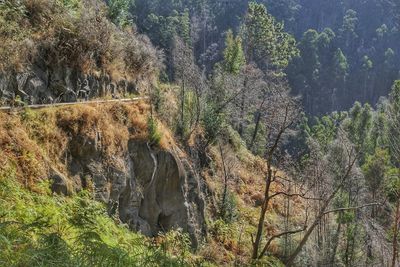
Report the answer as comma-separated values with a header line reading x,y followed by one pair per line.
x,y
75,34
221,162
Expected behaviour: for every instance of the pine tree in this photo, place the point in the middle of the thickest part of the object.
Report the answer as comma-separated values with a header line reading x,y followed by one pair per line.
x,y
233,55
266,42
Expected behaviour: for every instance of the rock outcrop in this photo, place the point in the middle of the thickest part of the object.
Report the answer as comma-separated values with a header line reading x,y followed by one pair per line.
x,y
150,190
41,85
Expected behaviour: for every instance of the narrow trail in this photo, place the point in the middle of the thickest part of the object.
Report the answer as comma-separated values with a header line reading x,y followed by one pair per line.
x,y
40,106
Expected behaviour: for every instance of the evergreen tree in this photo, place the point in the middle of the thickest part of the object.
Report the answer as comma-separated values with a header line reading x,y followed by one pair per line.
x,y
348,33
233,54
266,42
119,11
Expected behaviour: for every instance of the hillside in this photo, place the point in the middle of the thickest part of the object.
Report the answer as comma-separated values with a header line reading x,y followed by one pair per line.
x,y
81,152
184,133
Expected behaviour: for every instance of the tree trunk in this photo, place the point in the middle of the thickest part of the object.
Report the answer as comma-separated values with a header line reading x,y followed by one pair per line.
x,y
395,233
287,220
183,101
346,254
258,120
264,207
242,107
224,194
308,233
336,240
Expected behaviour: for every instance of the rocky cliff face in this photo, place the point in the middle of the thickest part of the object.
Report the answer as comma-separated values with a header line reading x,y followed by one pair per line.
x,y
41,85
149,189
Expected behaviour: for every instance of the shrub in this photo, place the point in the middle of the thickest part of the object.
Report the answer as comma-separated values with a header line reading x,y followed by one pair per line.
x,y
75,34
154,135
46,230
118,12
12,16
228,210
213,122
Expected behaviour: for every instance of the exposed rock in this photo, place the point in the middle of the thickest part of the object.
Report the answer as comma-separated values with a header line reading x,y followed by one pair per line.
x,y
151,190
41,85
60,184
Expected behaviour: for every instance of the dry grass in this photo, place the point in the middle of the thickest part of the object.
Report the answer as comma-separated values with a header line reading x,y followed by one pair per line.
x,y
247,174
20,151
78,37
32,141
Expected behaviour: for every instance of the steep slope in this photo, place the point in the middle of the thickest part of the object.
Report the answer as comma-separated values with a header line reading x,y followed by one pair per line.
x,y
121,155
62,51
105,148
150,187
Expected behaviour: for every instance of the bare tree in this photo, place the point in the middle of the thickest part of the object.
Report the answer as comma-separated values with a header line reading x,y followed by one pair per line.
x,y
229,164
282,114
238,93
188,74
270,82
394,145
332,171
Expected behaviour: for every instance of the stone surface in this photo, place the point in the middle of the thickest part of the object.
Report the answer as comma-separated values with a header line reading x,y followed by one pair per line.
x,y
41,85
151,190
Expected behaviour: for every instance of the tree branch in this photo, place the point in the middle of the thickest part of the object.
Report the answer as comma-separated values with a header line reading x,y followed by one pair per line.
x,y
279,236
294,195
353,208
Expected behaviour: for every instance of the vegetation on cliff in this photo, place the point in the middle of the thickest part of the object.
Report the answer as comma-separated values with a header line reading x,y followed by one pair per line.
x,y
221,147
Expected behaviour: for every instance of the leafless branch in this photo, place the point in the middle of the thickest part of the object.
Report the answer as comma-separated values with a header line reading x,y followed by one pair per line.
x,y
352,208
293,195
272,238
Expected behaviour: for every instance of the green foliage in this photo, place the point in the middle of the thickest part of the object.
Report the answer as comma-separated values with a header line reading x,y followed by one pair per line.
x,y
375,169
233,54
379,131
395,97
359,126
348,30
342,201
222,230
157,98
12,14
118,12
190,114
392,185
75,34
154,135
269,261
228,210
341,66
260,142
366,64
162,29
212,121
40,229
72,4
266,41
324,130
177,243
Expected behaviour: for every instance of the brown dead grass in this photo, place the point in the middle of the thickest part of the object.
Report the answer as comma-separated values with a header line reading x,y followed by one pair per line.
x,y
20,152
33,141
79,37
247,181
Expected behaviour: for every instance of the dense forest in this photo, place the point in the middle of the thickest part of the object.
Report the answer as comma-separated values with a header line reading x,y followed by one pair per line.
x,y
251,133
347,49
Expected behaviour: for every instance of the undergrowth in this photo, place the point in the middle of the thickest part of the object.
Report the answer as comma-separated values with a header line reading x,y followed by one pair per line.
x,y
154,134
77,34
41,229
